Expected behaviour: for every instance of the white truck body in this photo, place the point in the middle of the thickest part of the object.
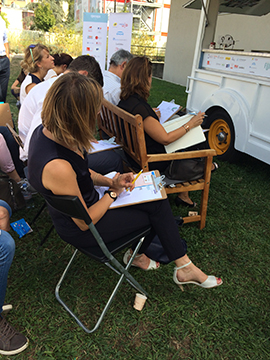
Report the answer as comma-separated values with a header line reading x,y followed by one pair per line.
x,y
233,83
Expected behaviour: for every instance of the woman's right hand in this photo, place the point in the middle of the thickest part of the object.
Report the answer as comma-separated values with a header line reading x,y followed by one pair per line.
x,y
196,120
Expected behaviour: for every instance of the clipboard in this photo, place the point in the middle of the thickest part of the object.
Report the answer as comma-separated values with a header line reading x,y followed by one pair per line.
x,y
148,187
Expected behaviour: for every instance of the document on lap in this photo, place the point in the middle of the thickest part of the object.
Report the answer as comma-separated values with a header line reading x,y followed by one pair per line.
x,y
193,137
146,189
167,110
102,145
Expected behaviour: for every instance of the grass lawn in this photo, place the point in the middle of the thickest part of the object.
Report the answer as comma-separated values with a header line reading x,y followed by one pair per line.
x,y
229,322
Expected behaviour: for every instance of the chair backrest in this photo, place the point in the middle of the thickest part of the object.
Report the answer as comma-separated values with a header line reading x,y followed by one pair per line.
x,y
70,206
127,129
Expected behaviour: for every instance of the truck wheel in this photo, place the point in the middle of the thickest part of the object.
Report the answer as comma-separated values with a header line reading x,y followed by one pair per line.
x,y
221,135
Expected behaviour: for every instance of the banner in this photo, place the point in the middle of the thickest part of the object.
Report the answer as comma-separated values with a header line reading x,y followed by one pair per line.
x,y
95,36
120,30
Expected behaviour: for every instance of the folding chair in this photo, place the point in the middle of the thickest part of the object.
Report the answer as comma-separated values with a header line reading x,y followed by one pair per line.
x,y
72,206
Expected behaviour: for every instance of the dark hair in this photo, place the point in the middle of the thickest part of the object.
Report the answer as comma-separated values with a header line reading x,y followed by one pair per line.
x,y
135,78
87,63
62,59
70,109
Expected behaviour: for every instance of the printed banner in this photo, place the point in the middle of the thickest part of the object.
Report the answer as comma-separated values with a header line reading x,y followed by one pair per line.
x,y
120,30
95,36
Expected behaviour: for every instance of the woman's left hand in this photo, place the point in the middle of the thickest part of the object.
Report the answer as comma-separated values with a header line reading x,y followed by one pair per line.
x,y
157,111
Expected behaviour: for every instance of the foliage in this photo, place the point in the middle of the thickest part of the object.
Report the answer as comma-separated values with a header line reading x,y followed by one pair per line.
x,y
4,17
44,17
144,44
66,40
57,10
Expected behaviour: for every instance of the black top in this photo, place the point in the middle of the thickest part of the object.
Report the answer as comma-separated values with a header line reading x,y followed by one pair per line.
x,y
35,79
42,150
137,105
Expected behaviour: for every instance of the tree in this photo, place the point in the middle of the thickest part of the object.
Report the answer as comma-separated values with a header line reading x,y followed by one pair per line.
x,y
44,18
4,17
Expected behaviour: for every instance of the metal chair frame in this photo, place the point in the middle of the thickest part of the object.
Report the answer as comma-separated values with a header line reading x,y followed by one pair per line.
x,y
72,206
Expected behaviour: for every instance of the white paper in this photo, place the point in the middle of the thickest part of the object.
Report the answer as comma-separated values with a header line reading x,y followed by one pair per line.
x,y
144,191
102,145
193,137
167,109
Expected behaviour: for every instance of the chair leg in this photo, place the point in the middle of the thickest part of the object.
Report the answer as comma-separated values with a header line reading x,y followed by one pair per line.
x,y
124,273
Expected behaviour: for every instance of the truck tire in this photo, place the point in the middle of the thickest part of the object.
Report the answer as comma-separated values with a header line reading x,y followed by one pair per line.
x,y
221,135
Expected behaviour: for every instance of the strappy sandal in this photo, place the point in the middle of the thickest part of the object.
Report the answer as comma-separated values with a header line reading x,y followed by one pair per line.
x,y
154,265
209,283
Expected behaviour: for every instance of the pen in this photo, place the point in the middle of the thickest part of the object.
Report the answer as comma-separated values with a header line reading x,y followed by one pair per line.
x,y
194,113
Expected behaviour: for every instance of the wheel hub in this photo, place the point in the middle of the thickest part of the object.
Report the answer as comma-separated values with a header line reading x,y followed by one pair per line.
x,y
222,137
219,137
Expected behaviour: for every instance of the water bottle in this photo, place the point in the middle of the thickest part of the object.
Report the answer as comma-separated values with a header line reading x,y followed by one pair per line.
x,y
26,193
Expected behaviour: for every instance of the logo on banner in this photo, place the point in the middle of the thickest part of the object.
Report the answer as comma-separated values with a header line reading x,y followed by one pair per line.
x,y
99,28
124,25
88,49
120,33
115,24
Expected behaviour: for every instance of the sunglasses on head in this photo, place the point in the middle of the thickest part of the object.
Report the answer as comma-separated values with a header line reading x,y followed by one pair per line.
x,y
32,46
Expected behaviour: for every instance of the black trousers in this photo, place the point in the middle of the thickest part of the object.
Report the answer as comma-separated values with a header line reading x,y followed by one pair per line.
x,y
4,77
120,222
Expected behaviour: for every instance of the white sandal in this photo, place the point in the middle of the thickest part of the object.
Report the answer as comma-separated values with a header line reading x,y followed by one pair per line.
x,y
154,265
209,283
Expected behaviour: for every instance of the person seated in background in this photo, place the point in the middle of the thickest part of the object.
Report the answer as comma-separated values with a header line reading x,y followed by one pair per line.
x,y
135,89
37,61
30,114
112,77
12,342
13,149
68,126
61,63
6,162
15,87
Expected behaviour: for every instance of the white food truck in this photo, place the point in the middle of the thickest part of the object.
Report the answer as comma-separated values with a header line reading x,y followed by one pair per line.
x,y
232,87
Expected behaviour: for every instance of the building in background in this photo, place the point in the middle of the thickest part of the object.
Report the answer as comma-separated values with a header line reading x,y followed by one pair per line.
x,y
150,16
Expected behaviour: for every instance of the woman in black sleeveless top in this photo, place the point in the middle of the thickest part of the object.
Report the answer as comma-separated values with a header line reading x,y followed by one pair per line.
x,y
57,165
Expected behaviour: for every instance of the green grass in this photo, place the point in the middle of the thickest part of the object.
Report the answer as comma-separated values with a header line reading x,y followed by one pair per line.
x,y
229,323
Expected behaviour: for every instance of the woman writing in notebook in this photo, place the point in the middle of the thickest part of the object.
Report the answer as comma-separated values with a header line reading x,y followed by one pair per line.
x,y
135,89
68,125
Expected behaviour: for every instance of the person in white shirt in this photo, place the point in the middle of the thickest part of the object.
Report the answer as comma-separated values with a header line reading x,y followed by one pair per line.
x,y
30,114
4,60
112,77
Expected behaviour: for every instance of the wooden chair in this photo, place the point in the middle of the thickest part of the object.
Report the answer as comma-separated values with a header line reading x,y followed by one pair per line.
x,y
112,121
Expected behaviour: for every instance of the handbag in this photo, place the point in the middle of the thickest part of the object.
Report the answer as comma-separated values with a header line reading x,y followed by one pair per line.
x,y
11,193
185,169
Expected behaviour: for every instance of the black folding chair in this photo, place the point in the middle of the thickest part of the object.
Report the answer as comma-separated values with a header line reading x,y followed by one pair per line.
x,y
72,206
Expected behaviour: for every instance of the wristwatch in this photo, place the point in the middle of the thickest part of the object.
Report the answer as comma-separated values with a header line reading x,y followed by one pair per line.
x,y
111,193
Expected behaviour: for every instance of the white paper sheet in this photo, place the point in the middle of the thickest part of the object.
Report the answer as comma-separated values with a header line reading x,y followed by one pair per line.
x,y
167,109
144,191
193,137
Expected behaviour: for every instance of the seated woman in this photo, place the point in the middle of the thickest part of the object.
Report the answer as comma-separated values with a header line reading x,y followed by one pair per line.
x,y
15,87
58,165
36,63
6,162
61,63
135,89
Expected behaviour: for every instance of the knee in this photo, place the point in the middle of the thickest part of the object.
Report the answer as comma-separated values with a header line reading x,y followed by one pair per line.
x,y
7,246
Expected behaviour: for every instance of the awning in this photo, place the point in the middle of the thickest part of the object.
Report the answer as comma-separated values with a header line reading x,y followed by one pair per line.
x,y
246,7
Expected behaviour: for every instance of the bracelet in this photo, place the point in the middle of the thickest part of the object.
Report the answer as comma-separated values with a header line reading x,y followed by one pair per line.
x,y
186,127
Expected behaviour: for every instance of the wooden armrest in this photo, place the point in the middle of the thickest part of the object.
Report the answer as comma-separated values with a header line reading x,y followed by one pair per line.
x,y
181,155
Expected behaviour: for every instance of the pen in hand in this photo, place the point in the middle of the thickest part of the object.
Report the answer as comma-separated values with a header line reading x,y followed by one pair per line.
x,y
136,177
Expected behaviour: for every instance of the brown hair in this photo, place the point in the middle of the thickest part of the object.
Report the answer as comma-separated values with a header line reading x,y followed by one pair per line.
x,y
135,78
70,109
32,55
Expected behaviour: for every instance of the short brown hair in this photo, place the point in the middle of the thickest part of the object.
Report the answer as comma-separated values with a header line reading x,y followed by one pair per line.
x,y
32,55
70,109
135,78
